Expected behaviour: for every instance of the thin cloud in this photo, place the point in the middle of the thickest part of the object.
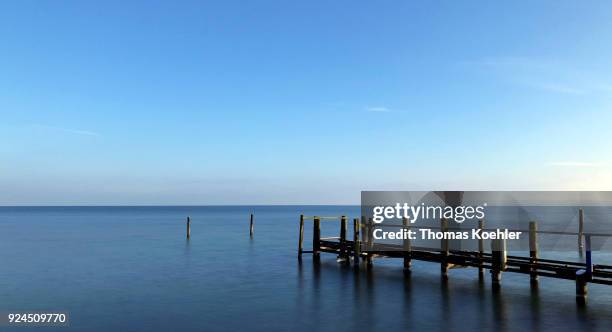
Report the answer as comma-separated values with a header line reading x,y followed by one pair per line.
x,y
68,130
380,109
547,74
560,88
573,164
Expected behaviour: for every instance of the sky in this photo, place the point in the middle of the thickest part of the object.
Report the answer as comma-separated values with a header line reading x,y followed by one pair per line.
x,y
300,102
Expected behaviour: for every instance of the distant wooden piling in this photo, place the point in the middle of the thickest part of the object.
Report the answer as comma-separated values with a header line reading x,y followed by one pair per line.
x,y
499,259
480,252
316,239
301,241
580,230
188,228
444,250
356,243
533,252
407,250
252,227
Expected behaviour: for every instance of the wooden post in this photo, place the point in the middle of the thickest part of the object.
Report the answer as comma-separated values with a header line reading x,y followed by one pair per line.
x,y
252,227
343,254
589,257
316,239
301,238
356,244
580,230
499,256
364,232
533,252
480,252
188,228
444,250
407,249
583,276
370,243
581,287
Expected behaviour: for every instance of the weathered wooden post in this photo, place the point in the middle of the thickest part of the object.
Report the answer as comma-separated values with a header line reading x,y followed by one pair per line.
x,y
343,254
480,252
499,257
370,243
364,232
444,250
301,238
316,240
252,226
188,228
583,276
580,230
356,244
407,248
533,252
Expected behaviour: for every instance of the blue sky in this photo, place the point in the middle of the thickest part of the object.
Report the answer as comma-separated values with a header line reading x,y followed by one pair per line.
x,y
277,102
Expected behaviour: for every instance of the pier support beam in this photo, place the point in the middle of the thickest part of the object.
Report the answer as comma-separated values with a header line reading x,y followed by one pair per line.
x,y
580,231
356,243
407,249
581,287
370,243
533,253
301,238
499,257
316,240
343,254
444,251
583,276
480,253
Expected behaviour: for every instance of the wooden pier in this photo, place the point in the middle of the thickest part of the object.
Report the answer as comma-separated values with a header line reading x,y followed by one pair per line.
x,y
361,249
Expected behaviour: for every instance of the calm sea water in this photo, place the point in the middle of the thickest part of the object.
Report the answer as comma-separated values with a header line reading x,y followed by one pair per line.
x,y
131,269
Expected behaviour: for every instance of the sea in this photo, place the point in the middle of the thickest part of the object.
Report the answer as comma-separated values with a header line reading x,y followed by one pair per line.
x,y
132,269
